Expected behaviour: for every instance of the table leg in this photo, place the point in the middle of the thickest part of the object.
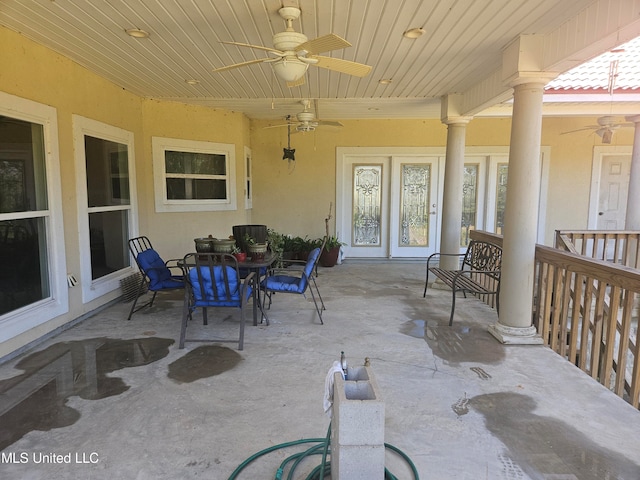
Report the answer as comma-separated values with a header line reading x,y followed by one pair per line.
x,y
257,304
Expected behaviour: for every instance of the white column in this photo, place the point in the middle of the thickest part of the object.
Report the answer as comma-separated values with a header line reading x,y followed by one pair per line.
x,y
452,191
632,220
521,215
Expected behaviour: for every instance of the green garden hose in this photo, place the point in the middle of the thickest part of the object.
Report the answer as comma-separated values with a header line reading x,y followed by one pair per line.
x,y
324,468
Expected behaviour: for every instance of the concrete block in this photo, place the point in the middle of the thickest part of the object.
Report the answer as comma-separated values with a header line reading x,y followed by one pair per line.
x,y
357,426
357,462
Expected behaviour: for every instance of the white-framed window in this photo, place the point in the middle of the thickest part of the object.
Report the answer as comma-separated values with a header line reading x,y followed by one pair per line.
x,y
33,287
192,175
107,214
248,181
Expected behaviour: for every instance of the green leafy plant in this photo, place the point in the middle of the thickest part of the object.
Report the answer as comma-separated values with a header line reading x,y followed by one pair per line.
x,y
276,243
249,240
332,242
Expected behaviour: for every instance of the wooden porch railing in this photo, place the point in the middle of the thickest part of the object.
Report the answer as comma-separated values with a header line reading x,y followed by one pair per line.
x,y
620,247
585,308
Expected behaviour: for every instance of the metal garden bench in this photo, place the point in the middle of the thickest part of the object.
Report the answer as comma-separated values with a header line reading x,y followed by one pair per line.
x,y
479,272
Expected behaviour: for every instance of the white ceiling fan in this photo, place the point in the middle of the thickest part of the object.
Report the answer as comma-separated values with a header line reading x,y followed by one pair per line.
x,y
294,52
306,119
605,127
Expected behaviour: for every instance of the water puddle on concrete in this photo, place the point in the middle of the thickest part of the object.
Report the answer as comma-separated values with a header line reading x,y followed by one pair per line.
x,y
545,447
458,343
202,362
36,399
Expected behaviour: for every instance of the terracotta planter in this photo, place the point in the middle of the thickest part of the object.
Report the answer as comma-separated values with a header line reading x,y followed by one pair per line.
x,y
328,258
241,257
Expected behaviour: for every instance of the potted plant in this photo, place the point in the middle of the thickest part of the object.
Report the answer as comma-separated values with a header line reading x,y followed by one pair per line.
x,y
239,254
331,251
304,246
288,248
276,242
255,250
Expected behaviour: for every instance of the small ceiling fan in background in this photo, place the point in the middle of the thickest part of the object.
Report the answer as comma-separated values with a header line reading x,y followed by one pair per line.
x,y
306,119
606,126
294,52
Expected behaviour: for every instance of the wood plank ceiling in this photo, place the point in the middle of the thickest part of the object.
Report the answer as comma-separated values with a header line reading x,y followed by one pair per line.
x,y
461,46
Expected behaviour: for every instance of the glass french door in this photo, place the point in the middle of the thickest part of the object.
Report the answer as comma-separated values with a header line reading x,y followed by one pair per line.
x,y
389,206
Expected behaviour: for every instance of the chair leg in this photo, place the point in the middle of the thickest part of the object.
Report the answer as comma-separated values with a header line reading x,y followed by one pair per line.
x,y
319,296
183,328
135,300
241,339
315,302
205,318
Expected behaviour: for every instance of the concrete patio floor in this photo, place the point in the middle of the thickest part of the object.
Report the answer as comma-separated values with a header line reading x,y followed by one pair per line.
x,y
126,403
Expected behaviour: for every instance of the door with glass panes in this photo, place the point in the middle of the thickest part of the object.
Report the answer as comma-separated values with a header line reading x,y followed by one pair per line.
x,y
388,205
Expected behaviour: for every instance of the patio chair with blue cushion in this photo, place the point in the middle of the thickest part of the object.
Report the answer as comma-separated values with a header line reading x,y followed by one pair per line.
x,y
157,275
292,280
213,280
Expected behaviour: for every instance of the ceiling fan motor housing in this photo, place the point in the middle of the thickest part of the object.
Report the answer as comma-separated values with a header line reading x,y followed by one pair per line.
x,y
288,41
305,116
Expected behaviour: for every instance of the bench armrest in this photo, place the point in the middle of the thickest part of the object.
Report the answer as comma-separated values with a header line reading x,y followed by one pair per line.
x,y
438,254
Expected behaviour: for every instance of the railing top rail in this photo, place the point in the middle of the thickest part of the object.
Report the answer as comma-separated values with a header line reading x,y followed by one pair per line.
x,y
613,273
595,232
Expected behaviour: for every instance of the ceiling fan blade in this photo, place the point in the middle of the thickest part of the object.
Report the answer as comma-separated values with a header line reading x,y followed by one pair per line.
x,y
237,65
329,123
279,126
326,43
258,47
590,127
296,83
343,66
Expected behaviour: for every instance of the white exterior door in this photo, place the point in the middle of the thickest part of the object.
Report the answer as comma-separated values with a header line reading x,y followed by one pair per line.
x,y
414,206
387,204
614,187
610,175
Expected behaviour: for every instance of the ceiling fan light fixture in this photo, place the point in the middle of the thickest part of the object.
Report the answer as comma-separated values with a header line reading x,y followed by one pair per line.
x,y
414,33
137,33
606,134
290,69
